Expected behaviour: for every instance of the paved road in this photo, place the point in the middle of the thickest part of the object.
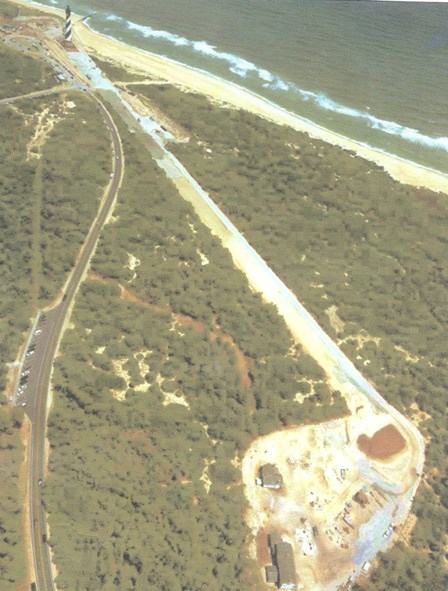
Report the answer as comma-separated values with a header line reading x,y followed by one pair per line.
x,y
40,363
37,94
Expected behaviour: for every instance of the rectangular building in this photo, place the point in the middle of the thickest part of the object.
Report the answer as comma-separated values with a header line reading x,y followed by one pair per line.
x,y
270,476
284,561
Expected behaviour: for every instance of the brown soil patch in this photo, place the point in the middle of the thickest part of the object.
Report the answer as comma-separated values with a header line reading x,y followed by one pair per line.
x,y
330,563
136,434
135,299
190,322
263,553
384,444
242,362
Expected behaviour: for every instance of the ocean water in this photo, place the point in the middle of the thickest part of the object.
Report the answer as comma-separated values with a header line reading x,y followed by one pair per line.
x,y
373,71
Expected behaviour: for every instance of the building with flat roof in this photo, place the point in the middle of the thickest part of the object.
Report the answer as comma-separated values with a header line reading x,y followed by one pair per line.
x,y
284,561
282,555
271,574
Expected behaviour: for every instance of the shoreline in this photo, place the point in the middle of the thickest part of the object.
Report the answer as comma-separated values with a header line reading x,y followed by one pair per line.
x,y
192,79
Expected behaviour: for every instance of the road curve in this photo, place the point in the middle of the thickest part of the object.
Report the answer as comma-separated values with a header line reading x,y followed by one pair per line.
x,y
42,364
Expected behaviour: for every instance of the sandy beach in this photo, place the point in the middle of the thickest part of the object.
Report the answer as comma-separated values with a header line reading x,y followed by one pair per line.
x,y
161,68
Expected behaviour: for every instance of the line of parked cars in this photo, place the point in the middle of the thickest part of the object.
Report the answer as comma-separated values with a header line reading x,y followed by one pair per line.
x,y
23,382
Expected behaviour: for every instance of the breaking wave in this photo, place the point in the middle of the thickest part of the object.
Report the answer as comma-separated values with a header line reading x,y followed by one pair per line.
x,y
244,68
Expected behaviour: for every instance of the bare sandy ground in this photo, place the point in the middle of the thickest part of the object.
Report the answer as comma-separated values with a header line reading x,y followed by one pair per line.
x,y
154,66
322,470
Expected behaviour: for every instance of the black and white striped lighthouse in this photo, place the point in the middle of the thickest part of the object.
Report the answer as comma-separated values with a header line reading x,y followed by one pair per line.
x,y
68,24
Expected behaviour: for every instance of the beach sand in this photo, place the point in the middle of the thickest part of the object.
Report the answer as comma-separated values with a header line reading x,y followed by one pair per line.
x,y
161,68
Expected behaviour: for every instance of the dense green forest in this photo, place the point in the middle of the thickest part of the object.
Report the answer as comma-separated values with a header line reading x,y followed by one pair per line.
x,y
165,317
12,545
22,73
53,171
49,194
341,233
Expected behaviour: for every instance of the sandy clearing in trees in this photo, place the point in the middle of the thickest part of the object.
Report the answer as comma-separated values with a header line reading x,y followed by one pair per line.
x,y
205,476
242,362
336,322
43,127
119,371
418,415
171,397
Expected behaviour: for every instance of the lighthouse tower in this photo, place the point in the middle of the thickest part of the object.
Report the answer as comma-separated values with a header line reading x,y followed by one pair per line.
x,y
68,24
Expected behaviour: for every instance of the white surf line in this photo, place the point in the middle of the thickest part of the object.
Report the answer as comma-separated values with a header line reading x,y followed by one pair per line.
x,y
243,68
270,110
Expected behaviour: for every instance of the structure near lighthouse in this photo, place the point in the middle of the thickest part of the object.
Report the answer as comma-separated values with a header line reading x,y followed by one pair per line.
x,y
68,24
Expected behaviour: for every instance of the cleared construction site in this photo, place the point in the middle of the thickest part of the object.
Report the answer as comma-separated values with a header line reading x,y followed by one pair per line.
x,y
326,498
